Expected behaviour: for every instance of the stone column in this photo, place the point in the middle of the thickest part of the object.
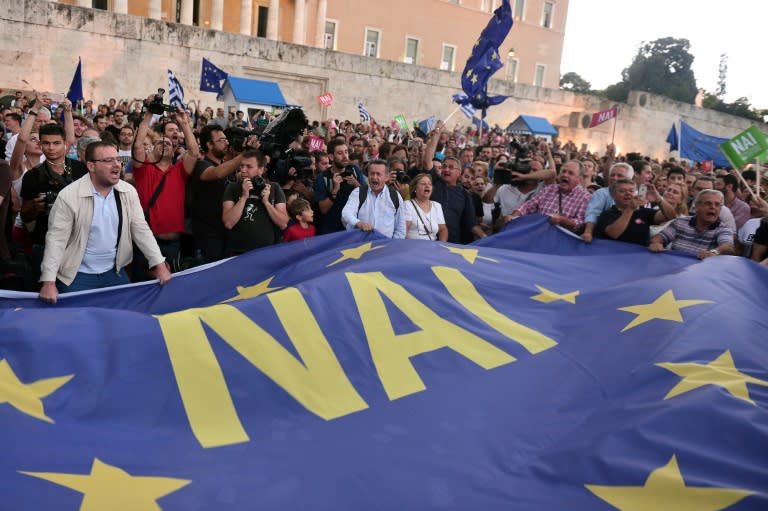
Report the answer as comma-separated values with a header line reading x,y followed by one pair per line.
x,y
273,17
186,11
155,9
217,14
246,14
299,27
322,8
120,6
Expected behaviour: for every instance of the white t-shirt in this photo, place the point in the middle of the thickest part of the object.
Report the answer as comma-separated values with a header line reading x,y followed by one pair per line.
x,y
747,234
510,197
418,218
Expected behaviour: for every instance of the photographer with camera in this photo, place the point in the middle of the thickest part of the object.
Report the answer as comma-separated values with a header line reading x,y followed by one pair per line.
x,y
41,185
207,184
334,186
514,183
161,183
253,209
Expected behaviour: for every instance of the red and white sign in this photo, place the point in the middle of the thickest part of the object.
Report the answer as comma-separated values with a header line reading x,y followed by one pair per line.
x,y
708,166
325,99
601,117
316,143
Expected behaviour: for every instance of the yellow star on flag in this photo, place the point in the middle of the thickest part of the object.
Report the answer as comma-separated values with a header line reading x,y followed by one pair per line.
x,y
27,398
355,253
494,56
259,289
469,254
474,79
110,487
664,307
547,296
665,490
721,372
469,73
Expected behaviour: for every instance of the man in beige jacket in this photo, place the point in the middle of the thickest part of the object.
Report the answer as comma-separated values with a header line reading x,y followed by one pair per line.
x,y
92,227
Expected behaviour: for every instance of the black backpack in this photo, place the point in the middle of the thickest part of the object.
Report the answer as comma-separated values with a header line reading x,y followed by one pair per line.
x,y
392,195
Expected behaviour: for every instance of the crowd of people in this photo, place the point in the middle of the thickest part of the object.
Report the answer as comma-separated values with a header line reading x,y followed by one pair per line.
x,y
96,197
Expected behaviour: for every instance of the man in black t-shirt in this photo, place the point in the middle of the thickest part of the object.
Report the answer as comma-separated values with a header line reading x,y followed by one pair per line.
x,y
627,220
207,185
43,183
253,208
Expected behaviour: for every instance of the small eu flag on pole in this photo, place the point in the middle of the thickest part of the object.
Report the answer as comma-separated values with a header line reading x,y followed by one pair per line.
x,y
212,77
75,92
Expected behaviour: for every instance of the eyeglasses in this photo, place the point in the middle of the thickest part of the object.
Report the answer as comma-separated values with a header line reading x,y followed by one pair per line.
x,y
221,140
110,161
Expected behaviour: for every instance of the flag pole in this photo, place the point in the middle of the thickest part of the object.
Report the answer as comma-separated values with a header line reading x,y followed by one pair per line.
x,y
452,114
746,185
615,121
757,173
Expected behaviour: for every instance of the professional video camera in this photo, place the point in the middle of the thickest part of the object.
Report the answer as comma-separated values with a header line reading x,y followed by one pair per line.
x,y
237,138
283,130
502,174
157,107
301,161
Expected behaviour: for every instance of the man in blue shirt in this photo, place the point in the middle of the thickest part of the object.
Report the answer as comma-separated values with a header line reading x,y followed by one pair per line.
x,y
601,199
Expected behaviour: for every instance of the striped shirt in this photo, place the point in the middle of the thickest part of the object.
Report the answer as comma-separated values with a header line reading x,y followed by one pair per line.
x,y
684,236
550,201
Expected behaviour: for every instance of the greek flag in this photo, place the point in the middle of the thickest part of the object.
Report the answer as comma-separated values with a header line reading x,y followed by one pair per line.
x,y
175,91
365,115
466,108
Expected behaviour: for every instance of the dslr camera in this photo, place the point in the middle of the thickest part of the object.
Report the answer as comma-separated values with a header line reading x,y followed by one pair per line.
x,y
258,186
157,107
349,170
402,177
237,138
502,175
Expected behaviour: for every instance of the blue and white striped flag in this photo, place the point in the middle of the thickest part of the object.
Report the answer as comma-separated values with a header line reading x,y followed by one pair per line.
x,y
365,115
466,108
175,91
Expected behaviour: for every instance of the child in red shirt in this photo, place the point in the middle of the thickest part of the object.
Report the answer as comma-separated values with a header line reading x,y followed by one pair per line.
x,y
301,213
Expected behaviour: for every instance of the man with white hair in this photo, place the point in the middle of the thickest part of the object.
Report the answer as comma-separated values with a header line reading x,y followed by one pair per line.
x,y
702,234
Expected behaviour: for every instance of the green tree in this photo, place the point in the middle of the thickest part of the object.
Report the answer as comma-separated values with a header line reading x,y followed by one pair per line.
x,y
575,83
661,67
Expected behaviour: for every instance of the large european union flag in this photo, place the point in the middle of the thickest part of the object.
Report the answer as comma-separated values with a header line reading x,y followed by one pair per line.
x,y
485,59
349,371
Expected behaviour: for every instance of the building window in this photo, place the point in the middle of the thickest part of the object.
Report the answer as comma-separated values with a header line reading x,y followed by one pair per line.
x,y
538,79
330,35
546,18
411,50
519,9
372,37
261,21
449,54
100,4
512,69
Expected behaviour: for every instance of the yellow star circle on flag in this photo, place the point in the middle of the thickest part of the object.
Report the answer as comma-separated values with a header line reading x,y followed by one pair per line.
x,y
27,398
664,307
355,253
721,372
547,296
110,487
259,289
469,254
474,79
665,490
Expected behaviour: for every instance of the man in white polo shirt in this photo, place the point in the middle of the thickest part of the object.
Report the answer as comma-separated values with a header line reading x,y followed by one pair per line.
x,y
91,228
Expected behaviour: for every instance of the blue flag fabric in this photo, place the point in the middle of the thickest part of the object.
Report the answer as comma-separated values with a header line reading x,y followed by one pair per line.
x,y
75,92
175,91
428,124
527,371
695,145
485,60
672,139
212,77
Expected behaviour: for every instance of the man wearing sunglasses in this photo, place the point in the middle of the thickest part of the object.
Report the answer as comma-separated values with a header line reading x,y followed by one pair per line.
x,y
93,225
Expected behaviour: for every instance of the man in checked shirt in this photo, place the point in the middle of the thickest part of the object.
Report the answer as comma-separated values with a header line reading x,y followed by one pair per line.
x,y
564,202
